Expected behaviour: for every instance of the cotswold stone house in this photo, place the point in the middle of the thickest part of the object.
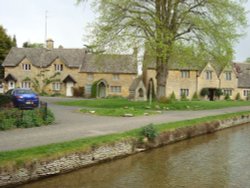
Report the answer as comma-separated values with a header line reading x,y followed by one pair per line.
x,y
232,80
69,71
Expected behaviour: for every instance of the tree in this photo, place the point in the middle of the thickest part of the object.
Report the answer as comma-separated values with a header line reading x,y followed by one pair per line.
x,y
6,42
27,44
248,60
170,30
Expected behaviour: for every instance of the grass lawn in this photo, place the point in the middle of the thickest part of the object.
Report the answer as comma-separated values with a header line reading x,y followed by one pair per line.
x,y
119,107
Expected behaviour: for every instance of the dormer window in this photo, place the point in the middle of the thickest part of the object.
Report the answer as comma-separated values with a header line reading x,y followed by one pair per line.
x,y
228,75
58,67
26,67
209,75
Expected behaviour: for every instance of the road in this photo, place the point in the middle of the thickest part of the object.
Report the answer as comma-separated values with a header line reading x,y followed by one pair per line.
x,y
71,125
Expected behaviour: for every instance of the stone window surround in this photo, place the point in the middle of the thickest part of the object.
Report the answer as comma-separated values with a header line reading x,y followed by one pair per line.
x,y
228,91
26,66
26,84
209,74
185,74
228,75
115,89
56,86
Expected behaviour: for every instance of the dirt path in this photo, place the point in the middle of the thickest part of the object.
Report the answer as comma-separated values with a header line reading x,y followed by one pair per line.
x,y
72,125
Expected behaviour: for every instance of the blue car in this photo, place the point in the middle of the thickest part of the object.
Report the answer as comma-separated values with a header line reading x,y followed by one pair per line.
x,y
23,98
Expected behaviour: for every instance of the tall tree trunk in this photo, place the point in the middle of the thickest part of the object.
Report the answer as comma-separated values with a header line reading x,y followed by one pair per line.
x,y
161,78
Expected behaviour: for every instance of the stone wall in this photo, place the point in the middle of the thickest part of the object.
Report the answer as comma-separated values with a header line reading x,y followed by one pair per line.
x,y
37,169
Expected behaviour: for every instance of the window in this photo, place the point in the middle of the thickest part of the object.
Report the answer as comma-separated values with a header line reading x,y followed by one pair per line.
x,y
227,92
185,74
116,77
228,75
116,89
26,67
58,67
26,84
184,92
90,76
209,75
246,93
56,86
88,89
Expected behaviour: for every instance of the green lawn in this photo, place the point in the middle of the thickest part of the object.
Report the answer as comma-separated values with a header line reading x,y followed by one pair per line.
x,y
119,107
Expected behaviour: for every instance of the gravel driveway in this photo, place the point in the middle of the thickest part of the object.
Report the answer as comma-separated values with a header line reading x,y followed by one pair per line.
x,y
71,125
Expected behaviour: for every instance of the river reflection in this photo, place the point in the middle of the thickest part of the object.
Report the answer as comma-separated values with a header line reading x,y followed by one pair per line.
x,y
216,160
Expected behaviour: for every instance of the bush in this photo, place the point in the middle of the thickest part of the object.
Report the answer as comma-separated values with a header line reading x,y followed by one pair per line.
x,y
195,97
172,97
218,92
78,91
15,118
149,131
227,97
204,92
4,100
238,97
163,100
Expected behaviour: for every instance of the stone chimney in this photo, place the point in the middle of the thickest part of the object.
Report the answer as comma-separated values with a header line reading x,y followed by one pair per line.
x,y
49,44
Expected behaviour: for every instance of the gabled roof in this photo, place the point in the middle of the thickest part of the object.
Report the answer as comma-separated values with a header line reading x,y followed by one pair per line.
x,y
41,57
109,63
10,77
243,71
68,79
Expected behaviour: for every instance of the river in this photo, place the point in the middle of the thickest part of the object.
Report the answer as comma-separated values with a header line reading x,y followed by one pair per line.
x,y
216,160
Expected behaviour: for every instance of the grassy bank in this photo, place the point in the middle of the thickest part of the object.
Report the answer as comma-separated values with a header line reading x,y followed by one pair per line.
x,y
119,107
52,151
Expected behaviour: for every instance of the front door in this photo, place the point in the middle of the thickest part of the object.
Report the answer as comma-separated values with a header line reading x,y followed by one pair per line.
x,y
11,84
69,89
102,90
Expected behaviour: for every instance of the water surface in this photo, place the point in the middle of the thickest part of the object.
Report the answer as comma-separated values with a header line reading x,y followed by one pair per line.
x,y
216,160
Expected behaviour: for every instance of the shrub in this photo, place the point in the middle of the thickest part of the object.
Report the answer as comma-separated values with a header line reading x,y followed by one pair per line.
x,y
172,97
204,92
195,97
15,118
238,97
4,100
163,99
149,131
218,92
227,97
78,91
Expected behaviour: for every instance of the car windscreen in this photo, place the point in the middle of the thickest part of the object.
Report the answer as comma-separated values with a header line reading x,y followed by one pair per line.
x,y
24,92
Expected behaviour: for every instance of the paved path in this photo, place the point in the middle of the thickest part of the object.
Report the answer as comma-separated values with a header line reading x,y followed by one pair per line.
x,y
72,125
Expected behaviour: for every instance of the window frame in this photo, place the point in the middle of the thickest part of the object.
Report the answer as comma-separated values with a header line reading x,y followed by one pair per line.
x,y
209,75
56,86
185,74
115,89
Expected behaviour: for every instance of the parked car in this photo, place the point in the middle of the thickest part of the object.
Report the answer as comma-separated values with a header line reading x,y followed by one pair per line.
x,y
23,98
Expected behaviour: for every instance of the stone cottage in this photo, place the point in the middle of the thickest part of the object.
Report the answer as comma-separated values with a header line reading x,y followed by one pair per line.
x,y
69,72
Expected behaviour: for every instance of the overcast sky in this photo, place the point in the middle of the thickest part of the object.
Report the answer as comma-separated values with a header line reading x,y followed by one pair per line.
x,y
66,23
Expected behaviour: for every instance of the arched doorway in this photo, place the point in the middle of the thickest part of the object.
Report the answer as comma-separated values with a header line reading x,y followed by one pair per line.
x,y
101,89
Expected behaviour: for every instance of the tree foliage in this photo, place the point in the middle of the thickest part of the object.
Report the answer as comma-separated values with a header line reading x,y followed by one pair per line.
x,y
28,44
170,30
6,42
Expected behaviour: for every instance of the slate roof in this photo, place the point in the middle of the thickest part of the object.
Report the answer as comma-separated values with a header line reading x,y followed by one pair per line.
x,y
150,63
44,57
75,58
243,70
109,63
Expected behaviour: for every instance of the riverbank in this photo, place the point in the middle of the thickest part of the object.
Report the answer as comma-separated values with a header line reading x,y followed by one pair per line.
x,y
31,164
